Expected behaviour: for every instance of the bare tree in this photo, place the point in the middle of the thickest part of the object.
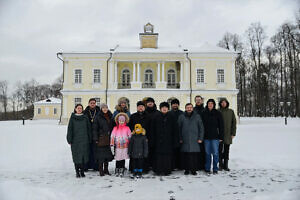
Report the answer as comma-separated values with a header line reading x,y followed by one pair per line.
x,y
3,96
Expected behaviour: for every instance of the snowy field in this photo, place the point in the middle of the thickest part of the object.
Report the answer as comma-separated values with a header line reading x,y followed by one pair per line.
x,y
36,164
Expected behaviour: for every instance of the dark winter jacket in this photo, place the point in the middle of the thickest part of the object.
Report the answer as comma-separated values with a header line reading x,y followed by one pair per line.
x,y
164,127
213,124
79,137
139,118
151,113
199,109
120,109
176,114
91,113
102,126
190,131
138,146
229,123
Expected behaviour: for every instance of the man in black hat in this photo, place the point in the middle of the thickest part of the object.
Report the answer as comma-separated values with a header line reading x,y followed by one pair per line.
x,y
139,117
151,111
164,127
176,112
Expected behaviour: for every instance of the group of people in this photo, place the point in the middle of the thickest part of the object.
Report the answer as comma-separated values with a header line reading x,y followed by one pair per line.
x,y
159,140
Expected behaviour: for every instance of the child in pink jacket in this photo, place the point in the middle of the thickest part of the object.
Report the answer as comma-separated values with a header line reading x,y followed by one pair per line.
x,y
120,141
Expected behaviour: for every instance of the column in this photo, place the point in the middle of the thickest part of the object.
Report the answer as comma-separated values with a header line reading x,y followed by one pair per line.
x,y
163,72
181,73
138,71
158,71
134,79
110,70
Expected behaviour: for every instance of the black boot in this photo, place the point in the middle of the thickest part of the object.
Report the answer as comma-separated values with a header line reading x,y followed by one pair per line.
x,y
77,171
221,164
81,170
226,165
101,172
106,168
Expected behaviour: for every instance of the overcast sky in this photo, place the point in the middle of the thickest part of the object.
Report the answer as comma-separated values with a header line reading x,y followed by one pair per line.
x,y
33,31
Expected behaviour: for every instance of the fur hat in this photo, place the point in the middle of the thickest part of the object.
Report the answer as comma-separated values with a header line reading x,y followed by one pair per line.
x,y
138,129
175,101
150,99
121,114
140,103
164,104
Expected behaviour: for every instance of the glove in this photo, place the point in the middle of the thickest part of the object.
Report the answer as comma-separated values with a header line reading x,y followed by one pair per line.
x,y
112,148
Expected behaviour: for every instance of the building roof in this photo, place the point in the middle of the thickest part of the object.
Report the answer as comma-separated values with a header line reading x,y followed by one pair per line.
x,y
50,100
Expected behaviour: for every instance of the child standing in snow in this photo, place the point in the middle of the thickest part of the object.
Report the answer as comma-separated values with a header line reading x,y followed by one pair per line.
x,y
138,150
119,141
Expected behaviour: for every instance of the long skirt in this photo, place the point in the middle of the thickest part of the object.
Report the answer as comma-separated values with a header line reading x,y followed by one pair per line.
x,y
163,164
190,161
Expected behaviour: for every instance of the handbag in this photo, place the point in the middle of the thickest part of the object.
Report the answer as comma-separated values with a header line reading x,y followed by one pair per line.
x,y
104,140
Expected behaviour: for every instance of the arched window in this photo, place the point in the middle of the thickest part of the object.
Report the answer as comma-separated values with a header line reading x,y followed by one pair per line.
x,y
171,78
125,77
148,77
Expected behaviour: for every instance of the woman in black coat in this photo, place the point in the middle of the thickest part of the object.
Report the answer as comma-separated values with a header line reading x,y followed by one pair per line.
x,y
164,127
102,126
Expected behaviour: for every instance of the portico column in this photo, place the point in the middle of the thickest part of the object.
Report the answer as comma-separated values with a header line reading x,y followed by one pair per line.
x,y
138,71
158,71
116,74
134,79
163,72
181,72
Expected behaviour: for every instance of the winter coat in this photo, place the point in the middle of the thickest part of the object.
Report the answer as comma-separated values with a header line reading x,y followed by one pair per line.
x,y
164,126
138,146
213,124
139,118
229,123
79,137
119,110
102,126
190,131
121,133
199,109
151,113
91,113
176,114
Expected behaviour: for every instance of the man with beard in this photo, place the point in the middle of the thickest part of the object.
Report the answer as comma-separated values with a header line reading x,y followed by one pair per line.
x,y
140,117
91,111
164,127
191,134
176,112
151,111
199,108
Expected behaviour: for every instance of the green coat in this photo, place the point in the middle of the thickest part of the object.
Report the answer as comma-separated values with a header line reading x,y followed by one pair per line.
x,y
229,124
79,136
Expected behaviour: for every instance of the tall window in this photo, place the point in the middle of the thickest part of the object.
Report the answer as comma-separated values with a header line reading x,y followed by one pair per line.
x,y
149,76
171,77
97,75
39,111
200,75
54,111
78,76
77,101
126,77
220,75
97,101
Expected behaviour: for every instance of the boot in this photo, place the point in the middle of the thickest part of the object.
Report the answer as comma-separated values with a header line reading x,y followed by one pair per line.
x,y
122,172
101,172
226,165
117,172
106,168
81,170
77,171
221,164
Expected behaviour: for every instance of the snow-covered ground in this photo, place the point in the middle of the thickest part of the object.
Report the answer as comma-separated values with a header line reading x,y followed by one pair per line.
x,y
35,163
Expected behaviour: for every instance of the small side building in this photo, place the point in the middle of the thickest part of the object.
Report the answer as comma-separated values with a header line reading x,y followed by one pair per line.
x,y
47,109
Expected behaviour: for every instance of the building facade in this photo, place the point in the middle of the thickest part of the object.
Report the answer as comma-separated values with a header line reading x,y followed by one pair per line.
x,y
149,70
47,109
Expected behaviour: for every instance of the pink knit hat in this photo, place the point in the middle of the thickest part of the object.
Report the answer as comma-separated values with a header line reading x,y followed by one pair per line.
x,y
121,118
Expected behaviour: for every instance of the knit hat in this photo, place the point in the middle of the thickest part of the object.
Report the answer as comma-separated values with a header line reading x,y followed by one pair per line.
x,y
164,104
102,105
140,103
138,129
121,118
121,114
150,99
175,101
